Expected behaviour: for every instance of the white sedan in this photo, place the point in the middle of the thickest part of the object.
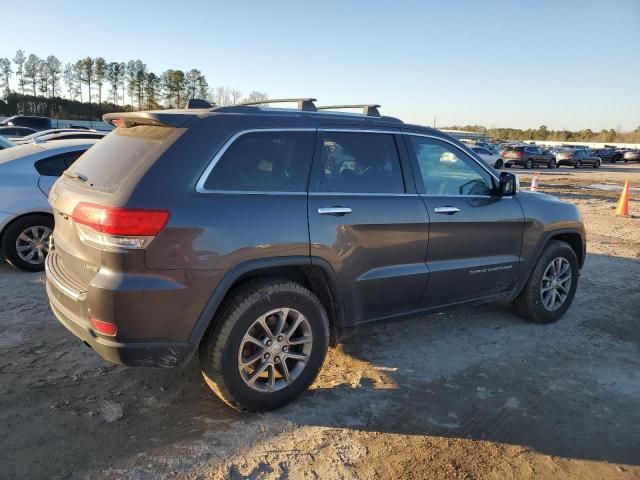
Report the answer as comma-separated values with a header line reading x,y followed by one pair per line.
x,y
492,159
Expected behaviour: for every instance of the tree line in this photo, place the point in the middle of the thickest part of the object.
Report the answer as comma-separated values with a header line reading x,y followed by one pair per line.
x,y
91,86
543,133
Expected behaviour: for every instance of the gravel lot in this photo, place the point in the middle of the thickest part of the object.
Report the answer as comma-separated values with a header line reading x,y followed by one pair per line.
x,y
474,393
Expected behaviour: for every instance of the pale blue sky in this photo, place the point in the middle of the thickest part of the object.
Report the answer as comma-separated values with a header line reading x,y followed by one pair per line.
x,y
566,64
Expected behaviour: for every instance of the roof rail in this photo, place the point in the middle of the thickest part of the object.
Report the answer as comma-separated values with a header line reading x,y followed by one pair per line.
x,y
305,104
370,110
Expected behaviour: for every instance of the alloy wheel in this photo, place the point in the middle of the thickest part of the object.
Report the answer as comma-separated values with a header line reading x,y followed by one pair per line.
x,y
275,350
32,245
556,284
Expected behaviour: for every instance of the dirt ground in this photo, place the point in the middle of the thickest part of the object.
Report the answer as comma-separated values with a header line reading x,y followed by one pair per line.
x,y
473,393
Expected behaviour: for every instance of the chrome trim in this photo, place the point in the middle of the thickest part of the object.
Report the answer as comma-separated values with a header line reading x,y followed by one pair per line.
x,y
207,171
390,131
253,192
69,292
348,194
479,162
334,210
446,210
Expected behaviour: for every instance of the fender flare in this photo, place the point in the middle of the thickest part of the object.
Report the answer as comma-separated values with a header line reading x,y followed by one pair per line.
x,y
230,278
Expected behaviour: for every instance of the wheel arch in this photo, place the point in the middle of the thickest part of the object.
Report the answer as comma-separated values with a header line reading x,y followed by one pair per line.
x,y
314,273
19,217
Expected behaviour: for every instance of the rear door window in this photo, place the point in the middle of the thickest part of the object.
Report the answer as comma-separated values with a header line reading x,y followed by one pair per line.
x,y
354,162
269,161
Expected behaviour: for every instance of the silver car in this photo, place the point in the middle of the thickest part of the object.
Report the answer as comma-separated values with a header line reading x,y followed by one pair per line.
x,y
27,173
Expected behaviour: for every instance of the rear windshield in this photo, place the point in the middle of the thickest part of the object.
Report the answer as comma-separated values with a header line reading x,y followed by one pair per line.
x,y
123,154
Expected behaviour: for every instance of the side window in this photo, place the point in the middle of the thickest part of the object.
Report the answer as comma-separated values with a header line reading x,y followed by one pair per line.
x,y
446,170
55,165
354,162
264,161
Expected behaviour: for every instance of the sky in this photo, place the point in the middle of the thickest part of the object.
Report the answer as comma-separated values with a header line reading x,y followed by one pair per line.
x,y
565,64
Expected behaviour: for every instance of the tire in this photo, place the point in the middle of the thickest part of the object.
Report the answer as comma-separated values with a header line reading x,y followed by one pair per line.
x,y
220,350
529,303
552,163
529,164
578,164
16,241
498,165
597,164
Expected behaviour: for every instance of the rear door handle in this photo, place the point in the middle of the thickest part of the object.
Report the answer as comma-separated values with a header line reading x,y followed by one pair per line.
x,y
334,211
446,210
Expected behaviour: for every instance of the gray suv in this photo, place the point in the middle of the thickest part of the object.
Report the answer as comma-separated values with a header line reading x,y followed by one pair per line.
x,y
258,237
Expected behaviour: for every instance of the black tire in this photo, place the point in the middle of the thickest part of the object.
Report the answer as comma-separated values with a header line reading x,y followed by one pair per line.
x,y
597,164
10,237
529,304
529,164
552,163
220,347
498,165
578,164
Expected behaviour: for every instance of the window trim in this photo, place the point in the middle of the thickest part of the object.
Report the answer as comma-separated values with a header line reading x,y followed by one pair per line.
x,y
420,184
216,158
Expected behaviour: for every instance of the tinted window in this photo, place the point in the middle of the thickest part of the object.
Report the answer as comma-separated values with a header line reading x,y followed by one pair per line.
x,y
359,163
482,151
55,165
264,161
447,170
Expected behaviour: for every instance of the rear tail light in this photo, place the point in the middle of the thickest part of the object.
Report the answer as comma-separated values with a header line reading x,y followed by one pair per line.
x,y
105,328
117,227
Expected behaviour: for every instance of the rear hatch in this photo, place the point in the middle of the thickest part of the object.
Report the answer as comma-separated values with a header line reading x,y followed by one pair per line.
x,y
512,153
92,193
565,155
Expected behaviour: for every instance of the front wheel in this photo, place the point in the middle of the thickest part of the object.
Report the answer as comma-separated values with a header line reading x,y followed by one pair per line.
x,y
597,164
552,163
266,346
529,164
578,164
548,293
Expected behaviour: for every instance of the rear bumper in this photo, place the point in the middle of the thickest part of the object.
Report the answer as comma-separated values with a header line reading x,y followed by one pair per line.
x,y
132,354
565,162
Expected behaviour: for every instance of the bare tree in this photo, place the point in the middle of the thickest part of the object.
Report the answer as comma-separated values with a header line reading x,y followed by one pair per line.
x,y
221,96
234,96
53,69
69,77
115,75
19,61
77,70
86,73
43,77
256,96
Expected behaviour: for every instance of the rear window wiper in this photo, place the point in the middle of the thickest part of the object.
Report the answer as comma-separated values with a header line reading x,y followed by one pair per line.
x,y
77,176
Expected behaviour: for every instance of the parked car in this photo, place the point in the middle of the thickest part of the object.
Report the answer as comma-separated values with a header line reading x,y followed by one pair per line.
x,y
300,228
607,154
13,132
5,143
37,123
631,156
492,159
69,135
27,173
577,158
34,136
528,156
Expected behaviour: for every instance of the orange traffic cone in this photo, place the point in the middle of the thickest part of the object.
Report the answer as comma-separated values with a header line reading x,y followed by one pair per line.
x,y
534,182
622,209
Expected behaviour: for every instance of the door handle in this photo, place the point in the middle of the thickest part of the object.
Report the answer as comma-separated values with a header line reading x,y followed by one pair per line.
x,y
338,211
446,210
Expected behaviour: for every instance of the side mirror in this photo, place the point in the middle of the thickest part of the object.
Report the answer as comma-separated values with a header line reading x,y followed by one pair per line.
x,y
509,184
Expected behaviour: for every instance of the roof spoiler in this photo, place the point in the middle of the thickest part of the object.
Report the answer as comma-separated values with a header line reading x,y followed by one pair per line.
x,y
159,119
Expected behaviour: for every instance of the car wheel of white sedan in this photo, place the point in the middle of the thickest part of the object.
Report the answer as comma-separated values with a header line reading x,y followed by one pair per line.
x,y
25,242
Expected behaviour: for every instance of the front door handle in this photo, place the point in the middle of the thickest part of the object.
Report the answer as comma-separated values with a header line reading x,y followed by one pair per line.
x,y
446,210
338,211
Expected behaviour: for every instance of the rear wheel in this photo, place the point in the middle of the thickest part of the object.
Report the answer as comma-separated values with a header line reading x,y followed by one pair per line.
x,y
267,345
529,164
548,293
597,164
578,164
498,165
25,242
552,163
